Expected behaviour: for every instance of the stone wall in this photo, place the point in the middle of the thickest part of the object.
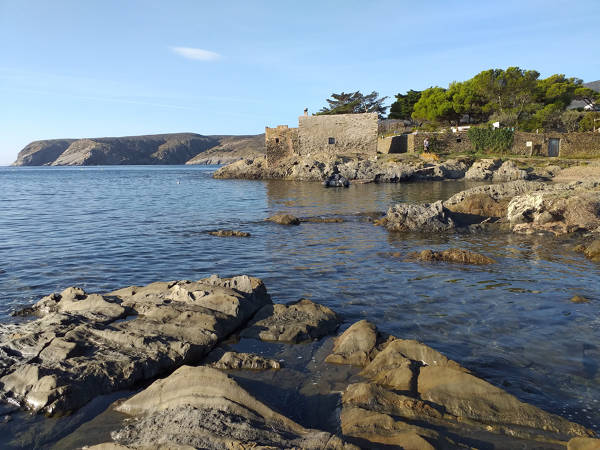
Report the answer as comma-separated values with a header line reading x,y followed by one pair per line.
x,y
393,144
444,142
571,145
338,134
280,143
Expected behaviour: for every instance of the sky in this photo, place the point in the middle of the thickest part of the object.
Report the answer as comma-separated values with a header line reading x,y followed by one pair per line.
x,y
73,69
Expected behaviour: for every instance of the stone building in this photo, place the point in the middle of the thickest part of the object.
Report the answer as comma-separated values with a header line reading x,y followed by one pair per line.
x,y
323,134
565,145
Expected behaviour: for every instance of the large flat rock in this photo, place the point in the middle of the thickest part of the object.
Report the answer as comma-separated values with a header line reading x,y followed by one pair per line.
x,y
85,345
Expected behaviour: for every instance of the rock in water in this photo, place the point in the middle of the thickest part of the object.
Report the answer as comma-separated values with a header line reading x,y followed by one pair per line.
x,y
284,219
85,345
591,250
229,233
200,407
428,218
452,255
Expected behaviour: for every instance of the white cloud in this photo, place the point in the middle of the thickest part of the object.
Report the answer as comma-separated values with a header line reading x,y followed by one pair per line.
x,y
196,53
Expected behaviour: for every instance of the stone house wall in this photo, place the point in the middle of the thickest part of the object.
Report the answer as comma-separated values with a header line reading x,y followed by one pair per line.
x,y
449,142
586,145
338,134
280,142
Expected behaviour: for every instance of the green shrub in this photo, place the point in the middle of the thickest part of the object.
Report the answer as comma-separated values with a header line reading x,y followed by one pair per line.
x,y
490,139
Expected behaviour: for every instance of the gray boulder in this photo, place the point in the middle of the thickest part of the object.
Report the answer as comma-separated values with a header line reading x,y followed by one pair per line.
x,y
427,217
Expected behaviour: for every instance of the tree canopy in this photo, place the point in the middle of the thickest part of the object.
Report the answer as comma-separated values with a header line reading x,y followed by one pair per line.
x,y
404,105
354,103
515,97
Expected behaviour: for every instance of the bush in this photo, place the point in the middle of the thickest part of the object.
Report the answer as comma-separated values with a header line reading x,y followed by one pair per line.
x,y
490,139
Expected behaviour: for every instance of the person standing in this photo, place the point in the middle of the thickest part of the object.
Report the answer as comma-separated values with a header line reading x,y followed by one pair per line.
x,y
426,145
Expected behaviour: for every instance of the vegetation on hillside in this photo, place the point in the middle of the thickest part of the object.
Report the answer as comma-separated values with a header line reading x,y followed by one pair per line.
x,y
515,97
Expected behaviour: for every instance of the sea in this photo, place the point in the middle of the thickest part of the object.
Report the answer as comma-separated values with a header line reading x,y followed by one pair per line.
x,y
511,323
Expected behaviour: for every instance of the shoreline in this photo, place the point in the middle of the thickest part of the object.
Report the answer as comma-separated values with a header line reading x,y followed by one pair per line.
x,y
297,352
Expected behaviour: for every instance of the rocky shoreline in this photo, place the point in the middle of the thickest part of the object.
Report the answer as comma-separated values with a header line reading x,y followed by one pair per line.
x,y
519,206
364,389
385,169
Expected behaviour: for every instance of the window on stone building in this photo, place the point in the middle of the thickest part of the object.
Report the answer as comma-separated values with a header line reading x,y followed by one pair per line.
x,y
331,140
458,140
277,140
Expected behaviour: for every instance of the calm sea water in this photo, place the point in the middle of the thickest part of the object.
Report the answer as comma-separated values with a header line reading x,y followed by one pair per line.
x,y
512,323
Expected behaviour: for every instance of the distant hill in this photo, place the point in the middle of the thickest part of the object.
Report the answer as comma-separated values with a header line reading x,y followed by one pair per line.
x,y
231,149
176,148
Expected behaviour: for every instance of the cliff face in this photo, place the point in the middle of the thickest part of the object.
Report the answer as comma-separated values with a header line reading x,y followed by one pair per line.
x,y
42,153
231,149
178,148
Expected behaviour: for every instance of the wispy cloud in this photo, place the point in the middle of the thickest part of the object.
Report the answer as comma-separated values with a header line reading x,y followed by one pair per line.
x,y
196,53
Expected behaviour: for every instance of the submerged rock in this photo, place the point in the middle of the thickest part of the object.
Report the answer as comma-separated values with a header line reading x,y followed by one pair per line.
x,y
579,299
284,219
295,322
591,250
428,218
322,219
200,407
229,233
85,345
453,255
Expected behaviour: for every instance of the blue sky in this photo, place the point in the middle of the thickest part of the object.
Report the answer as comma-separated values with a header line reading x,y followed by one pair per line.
x,y
113,68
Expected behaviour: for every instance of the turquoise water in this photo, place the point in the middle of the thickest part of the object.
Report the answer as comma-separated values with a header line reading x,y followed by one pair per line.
x,y
512,323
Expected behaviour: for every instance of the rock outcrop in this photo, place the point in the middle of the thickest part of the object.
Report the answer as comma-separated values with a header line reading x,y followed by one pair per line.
x,y
558,209
409,383
85,345
426,218
521,206
176,148
200,407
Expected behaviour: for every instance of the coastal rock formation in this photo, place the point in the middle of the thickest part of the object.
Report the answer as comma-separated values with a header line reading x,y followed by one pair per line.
x,y
409,382
200,407
85,345
452,255
426,217
295,322
522,206
483,169
176,148
490,200
318,167
559,209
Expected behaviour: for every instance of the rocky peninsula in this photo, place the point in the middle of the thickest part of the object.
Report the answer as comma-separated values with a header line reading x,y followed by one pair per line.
x,y
175,148
305,389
